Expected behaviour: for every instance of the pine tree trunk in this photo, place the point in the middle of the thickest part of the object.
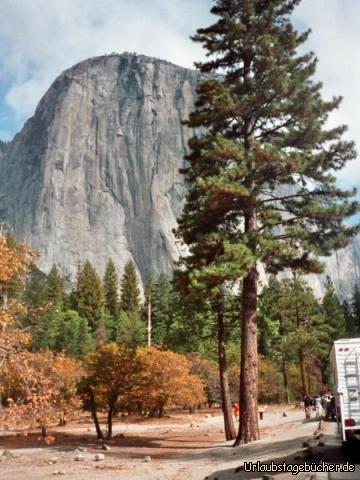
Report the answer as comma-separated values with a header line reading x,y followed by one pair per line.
x,y
286,382
305,390
249,424
229,426
309,381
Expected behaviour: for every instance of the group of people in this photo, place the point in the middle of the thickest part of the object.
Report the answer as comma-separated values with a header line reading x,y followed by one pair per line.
x,y
323,405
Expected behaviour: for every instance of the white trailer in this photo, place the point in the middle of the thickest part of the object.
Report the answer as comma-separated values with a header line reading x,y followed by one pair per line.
x,y
345,365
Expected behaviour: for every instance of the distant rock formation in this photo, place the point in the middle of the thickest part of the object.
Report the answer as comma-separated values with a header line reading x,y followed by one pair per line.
x,y
94,174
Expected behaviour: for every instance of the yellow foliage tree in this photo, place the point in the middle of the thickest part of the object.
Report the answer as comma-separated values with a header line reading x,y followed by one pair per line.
x,y
111,376
15,261
166,381
38,389
270,382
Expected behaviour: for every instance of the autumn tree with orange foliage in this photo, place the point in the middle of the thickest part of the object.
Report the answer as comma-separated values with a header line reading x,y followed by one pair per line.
x,y
166,381
39,388
15,261
112,372
36,388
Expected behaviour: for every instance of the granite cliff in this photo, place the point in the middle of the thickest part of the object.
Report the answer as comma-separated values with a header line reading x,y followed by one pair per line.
x,y
94,173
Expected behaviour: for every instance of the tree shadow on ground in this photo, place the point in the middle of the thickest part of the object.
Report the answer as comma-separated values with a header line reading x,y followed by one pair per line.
x,y
291,452
129,446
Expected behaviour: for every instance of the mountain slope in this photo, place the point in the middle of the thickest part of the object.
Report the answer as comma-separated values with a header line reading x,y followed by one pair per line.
x,y
94,173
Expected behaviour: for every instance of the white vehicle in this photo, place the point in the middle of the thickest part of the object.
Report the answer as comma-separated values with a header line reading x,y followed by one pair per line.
x,y
345,364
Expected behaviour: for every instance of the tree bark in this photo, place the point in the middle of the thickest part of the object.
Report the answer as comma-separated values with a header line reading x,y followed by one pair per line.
x,y
303,374
249,424
309,382
305,391
149,327
109,421
229,426
94,416
161,411
286,382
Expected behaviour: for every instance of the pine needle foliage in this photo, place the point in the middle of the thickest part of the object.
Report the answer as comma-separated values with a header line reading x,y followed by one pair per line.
x,y
262,164
111,290
130,290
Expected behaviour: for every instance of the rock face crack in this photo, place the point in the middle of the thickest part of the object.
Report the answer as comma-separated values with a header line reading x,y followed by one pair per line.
x,y
94,174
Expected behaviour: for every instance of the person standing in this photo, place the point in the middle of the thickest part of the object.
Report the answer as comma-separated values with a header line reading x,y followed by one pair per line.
x,y
308,404
325,402
318,408
236,412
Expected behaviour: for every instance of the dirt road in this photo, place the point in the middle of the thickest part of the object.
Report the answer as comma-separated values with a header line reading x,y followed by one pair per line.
x,y
180,448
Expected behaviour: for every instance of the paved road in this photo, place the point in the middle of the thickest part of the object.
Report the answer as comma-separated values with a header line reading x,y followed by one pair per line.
x,y
332,452
320,446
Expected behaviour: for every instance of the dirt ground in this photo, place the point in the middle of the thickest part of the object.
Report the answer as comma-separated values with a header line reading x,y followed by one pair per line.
x,y
180,447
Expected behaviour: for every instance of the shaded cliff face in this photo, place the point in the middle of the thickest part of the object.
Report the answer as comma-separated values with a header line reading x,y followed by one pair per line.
x,y
94,173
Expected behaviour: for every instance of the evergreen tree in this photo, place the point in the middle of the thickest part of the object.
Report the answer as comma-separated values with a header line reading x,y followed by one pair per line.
x,y
261,158
334,314
67,332
147,312
130,291
163,310
131,330
209,293
85,341
35,293
335,324
45,331
292,328
355,308
349,319
102,330
111,290
63,331
88,296
55,288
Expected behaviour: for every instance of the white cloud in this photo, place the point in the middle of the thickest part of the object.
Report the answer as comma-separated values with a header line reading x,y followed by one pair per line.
x,y
40,38
335,38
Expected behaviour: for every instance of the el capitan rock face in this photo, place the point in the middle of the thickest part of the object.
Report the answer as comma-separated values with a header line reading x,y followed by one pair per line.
x,y
94,174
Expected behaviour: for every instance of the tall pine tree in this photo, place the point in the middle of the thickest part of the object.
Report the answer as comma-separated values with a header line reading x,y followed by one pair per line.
x,y
355,310
349,319
335,323
55,288
130,290
111,290
261,163
88,296
295,328
334,314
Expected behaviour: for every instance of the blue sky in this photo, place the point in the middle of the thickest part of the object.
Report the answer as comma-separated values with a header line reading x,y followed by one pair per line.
x,y
41,38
